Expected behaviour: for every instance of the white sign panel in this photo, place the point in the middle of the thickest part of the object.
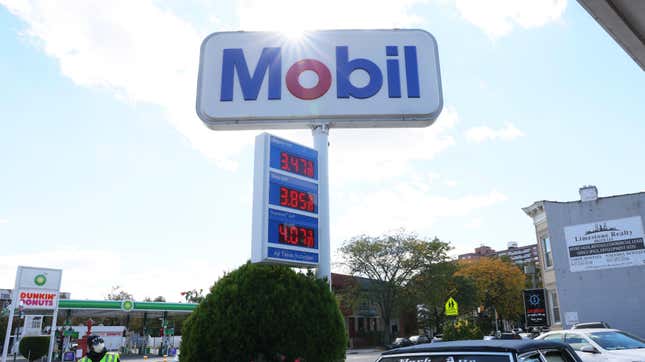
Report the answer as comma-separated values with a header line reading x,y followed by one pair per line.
x,y
38,278
607,244
571,318
33,299
348,78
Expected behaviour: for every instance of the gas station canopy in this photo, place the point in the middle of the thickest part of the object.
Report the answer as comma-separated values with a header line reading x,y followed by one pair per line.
x,y
624,20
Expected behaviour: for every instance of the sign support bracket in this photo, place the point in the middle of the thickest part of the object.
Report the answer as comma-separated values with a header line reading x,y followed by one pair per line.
x,y
321,144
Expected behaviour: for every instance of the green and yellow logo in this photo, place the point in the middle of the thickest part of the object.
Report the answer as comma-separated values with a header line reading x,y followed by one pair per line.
x,y
127,305
40,280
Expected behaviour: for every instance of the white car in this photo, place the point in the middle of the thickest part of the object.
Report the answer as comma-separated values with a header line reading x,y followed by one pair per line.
x,y
600,344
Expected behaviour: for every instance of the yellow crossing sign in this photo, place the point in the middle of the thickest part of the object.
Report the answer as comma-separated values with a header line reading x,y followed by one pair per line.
x,y
452,308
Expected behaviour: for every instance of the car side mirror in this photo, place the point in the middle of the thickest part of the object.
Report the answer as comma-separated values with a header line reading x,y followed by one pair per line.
x,y
589,349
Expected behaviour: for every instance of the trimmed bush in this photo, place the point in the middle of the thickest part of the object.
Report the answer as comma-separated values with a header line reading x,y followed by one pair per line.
x,y
461,330
265,313
34,347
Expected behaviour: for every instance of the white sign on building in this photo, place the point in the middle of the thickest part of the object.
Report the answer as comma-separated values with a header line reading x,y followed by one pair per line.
x,y
606,244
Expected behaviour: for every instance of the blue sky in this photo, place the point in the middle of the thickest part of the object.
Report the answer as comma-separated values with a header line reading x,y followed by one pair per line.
x,y
107,172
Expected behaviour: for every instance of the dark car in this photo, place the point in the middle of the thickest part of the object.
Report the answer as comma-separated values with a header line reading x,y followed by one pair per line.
x,y
484,351
505,335
399,342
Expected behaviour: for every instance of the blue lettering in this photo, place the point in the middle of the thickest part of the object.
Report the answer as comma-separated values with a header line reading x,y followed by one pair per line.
x,y
412,71
393,74
345,67
233,59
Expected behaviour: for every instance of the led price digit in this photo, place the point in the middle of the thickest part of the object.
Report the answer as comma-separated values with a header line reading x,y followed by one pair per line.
x,y
296,199
296,235
296,164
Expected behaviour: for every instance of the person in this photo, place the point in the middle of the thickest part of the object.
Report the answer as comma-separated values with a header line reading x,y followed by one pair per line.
x,y
96,351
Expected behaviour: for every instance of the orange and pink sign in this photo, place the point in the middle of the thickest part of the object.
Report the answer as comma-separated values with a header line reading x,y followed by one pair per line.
x,y
38,299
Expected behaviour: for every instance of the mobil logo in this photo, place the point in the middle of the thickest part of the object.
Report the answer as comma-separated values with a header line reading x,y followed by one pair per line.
x,y
349,78
270,62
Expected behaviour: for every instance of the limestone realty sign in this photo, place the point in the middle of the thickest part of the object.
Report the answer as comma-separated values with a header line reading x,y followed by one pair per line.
x,y
606,244
35,299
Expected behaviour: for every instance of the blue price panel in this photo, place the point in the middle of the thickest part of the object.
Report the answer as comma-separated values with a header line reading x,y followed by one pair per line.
x,y
293,193
293,158
287,228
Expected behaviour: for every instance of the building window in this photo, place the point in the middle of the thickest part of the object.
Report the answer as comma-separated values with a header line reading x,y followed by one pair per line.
x,y
548,254
36,322
555,307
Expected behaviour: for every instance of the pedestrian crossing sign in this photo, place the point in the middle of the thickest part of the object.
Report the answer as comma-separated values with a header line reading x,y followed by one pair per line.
x,y
452,308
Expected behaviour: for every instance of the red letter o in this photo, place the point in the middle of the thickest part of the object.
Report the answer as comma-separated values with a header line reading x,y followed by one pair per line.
x,y
317,91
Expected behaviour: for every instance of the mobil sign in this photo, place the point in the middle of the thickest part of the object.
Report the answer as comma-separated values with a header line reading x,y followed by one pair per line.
x,y
348,78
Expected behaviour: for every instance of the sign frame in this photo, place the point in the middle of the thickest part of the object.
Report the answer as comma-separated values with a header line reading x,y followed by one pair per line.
x,y
263,249
427,105
541,320
34,280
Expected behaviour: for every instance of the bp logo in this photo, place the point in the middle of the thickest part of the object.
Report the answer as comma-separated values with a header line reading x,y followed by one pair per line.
x,y
40,280
127,305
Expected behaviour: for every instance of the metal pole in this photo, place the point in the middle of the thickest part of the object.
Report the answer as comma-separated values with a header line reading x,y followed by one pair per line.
x,y
52,334
321,144
7,337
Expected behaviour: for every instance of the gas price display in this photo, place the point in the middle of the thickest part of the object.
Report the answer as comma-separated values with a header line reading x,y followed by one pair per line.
x,y
296,164
286,228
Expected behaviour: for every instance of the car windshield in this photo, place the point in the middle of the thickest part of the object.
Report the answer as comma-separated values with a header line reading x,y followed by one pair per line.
x,y
617,340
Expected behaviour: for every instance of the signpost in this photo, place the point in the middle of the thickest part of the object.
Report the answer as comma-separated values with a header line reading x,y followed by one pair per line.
x,y
535,308
335,78
35,289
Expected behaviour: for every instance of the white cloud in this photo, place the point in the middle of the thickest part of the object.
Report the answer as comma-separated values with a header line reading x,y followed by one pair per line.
x,y
483,133
91,273
498,17
403,205
4,221
385,154
134,49
290,15
475,223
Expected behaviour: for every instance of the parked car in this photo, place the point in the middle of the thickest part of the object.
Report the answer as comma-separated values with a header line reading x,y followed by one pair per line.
x,y
600,344
504,335
399,342
590,325
483,351
419,339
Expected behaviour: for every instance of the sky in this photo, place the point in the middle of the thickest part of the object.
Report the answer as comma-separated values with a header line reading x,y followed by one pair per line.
x,y
107,173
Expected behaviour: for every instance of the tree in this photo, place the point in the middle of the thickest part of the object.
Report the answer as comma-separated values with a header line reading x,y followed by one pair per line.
x,y
432,288
157,299
193,296
391,261
499,284
265,312
118,294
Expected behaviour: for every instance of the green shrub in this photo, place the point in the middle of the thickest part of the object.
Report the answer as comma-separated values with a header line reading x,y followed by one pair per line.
x,y
34,347
260,312
461,330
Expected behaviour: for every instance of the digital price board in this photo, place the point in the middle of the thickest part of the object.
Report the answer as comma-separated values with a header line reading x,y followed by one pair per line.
x,y
285,203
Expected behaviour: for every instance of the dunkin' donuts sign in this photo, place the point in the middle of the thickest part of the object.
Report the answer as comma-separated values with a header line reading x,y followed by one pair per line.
x,y
35,299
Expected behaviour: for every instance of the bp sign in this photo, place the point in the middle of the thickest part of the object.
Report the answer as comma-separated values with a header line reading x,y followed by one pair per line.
x,y
346,78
